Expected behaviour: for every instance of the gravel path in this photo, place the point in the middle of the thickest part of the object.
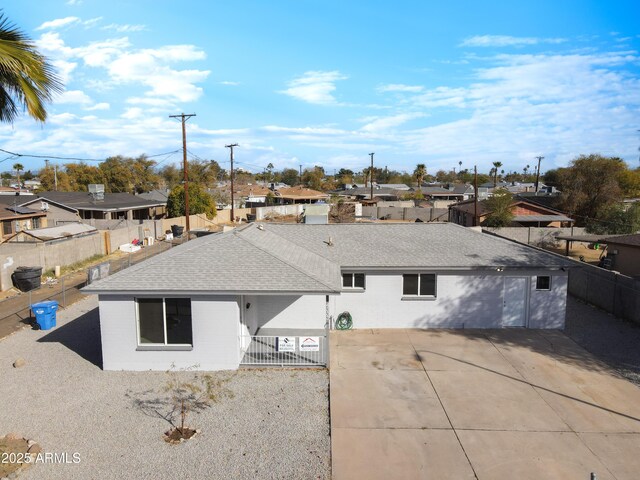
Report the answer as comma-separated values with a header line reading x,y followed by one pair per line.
x,y
611,339
275,426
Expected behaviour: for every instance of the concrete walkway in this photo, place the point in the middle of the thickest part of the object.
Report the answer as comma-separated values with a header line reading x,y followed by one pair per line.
x,y
485,404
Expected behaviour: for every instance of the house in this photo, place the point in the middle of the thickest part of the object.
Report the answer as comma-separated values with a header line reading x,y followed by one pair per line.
x,y
443,196
16,218
526,214
199,303
63,207
624,252
299,194
160,196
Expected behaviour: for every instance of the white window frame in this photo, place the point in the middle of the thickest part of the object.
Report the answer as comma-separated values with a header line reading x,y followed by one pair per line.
x,y
543,289
353,281
164,345
417,295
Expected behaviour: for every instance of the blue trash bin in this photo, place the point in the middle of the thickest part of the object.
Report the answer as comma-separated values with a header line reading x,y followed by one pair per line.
x,y
45,313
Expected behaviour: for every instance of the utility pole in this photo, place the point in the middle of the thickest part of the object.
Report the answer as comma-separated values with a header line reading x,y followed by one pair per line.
x,y
538,173
230,147
55,177
300,174
475,196
46,163
184,119
371,174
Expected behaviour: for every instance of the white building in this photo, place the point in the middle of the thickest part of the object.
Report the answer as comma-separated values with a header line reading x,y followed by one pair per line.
x,y
197,303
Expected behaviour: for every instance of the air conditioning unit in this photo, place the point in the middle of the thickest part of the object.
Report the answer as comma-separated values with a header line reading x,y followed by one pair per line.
x,y
44,206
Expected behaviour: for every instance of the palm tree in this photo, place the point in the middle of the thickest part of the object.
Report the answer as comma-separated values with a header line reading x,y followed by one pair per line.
x,y
497,165
420,172
26,78
18,168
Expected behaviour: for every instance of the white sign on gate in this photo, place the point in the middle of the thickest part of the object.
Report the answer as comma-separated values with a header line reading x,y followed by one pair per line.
x,y
309,344
286,344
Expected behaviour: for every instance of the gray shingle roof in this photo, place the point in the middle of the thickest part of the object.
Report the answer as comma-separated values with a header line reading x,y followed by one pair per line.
x,y
82,201
308,258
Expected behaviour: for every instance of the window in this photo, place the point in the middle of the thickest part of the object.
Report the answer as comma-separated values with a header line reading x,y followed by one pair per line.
x,y
353,280
164,321
7,228
543,283
420,285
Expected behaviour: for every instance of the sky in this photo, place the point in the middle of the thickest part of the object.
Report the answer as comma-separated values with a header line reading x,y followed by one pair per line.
x,y
306,82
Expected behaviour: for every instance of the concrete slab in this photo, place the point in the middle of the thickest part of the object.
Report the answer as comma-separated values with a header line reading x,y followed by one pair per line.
x,y
482,400
503,455
619,452
428,338
465,357
383,357
407,454
372,336
384,399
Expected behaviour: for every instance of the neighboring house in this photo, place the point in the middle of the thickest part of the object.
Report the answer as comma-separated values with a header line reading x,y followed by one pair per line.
x,y
32,184
51,234
443,196
198,302
299,194
160,196
526,214
63,207
16,218
624,252
380,193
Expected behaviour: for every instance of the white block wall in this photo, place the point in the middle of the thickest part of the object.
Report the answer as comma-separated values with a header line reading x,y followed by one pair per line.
x,y
547,309
285,311
215,323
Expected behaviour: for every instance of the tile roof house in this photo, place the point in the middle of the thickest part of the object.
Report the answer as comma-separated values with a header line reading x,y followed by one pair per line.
x,y
199,303
526,214
299,194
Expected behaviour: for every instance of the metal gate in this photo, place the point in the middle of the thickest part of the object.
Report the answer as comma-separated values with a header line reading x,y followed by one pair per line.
x,y
283,351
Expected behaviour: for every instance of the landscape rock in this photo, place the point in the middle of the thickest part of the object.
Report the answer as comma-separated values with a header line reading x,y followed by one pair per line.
x,y
20,362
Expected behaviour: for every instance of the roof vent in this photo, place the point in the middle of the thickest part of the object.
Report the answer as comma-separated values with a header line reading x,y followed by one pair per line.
x,y
260,227
329,242
96,190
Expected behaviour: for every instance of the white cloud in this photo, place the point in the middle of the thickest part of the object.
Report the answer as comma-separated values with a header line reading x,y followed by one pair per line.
x,y
91,22
315,87
58,23
506,41
99,106
398,87
125,65
74,97
74,2
227,82
125,28
387,123
133,112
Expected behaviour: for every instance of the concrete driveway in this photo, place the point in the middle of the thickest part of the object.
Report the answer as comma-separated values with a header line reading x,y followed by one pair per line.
x,y
486,404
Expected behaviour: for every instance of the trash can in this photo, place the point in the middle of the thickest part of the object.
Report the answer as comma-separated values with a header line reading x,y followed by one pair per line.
x,y
177,230
45,313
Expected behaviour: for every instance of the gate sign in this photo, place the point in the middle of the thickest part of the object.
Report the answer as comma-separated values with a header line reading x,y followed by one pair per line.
x,y
309,344
286,344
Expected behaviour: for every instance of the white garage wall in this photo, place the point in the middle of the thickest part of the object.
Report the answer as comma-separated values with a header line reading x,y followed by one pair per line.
x,y
547,308
215,323
469,301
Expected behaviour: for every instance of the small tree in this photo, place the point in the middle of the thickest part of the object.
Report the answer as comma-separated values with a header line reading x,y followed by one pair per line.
x,y
499,206
199,202
419,173
18,168
496,166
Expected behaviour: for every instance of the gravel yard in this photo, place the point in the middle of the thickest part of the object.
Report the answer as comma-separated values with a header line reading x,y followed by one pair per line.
x,y
276,425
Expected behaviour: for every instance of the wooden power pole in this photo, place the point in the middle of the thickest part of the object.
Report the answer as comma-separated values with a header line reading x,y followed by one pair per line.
x,y
230,147
371,174
183,118
538,173
475,196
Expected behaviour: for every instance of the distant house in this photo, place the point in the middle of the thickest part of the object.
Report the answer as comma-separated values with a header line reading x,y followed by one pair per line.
x,y
380,193
160,196
16,218
63,207
225,288
526,214
299,194
624,252
443,196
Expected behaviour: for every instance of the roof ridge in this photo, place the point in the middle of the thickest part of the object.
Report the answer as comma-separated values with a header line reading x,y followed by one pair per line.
x,y
285,261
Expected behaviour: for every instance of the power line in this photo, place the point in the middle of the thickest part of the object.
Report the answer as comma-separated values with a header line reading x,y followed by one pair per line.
x,y
54,157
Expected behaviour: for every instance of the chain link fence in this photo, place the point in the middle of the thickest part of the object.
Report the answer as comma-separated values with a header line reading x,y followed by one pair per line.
x,y
66,289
